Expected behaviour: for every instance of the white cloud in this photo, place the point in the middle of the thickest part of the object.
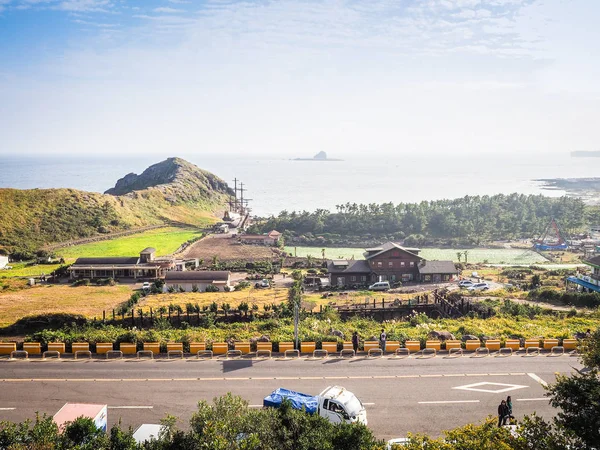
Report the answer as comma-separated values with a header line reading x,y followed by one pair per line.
x,y
167,10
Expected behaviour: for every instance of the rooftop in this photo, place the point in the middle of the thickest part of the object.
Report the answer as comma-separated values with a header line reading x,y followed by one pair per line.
x,y
351,266
594,261
389,246
148,250
197,275
434,267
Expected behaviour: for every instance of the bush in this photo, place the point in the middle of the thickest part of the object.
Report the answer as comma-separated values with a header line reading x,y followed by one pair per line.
x,y
586,300
212,288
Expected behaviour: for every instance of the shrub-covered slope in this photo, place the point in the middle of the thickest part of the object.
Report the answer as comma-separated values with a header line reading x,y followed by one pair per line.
x,y
173,190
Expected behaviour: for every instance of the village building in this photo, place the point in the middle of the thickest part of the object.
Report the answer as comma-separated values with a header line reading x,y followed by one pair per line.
x,y
390,262
3,261
144,266
586,283
200,279
270,239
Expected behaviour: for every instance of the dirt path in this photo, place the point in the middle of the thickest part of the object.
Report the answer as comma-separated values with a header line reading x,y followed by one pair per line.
x,y
528,302
226,248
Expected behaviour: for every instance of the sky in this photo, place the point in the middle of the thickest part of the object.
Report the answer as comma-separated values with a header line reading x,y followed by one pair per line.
x,y
368,78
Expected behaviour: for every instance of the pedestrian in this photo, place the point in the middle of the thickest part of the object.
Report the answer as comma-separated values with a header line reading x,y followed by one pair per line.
x,y
502,413
382,340
355,342
509,407
588,333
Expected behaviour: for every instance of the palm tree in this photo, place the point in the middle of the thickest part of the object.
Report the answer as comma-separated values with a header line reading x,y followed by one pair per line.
x,y
225,307
459,256
323,254
466,253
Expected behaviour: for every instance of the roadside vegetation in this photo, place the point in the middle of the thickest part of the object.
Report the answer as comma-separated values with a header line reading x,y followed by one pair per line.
x,y
229,423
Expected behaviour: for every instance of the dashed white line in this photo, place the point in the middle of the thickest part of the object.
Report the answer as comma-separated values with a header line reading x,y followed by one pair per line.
x,y
448,401
533,399
7,409
538,379
130,407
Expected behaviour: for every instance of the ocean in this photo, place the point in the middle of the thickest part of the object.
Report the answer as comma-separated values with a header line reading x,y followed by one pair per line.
x,y
280,184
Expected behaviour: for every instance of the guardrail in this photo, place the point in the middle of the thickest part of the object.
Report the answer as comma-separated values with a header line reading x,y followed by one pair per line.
x,y
51,354
320,353
491,347
292,351
117,353
171,353
347,351
402,352
375,352
82,353
427,353
203,354
15,353
455,352
145,354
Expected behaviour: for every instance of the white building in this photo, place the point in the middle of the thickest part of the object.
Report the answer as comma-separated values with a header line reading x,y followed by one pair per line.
x,y
201,279
3,261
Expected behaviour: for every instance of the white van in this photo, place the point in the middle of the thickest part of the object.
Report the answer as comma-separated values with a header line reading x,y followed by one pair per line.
x,y
380,286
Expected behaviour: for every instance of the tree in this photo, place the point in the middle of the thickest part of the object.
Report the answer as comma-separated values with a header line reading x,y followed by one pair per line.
x,y
459,256
466,253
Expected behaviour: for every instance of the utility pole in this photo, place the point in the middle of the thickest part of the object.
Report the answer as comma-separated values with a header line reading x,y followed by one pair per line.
x,y
296,320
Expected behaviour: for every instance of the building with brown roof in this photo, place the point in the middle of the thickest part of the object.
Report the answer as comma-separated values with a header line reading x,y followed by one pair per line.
x,y
390,262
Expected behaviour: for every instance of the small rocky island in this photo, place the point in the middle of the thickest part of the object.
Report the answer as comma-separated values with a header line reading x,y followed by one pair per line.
x,y
321,156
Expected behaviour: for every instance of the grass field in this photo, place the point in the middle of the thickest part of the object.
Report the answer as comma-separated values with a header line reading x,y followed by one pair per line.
x,y
88,301
475,255
258,296
164,240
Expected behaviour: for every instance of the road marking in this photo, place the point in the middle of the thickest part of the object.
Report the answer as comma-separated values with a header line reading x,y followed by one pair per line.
x,y
255,406
130,407
368,404
532,399
478,387
341,377
448,401
538,379
7,409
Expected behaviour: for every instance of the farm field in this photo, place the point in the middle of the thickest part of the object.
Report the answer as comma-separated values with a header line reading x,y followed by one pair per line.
x,y
258,296
475,255
164,240
88,301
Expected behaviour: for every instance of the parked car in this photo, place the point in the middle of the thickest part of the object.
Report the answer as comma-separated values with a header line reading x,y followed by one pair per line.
x,y
465,283
263,284
396,442
146,286
380,286
479,287
336,404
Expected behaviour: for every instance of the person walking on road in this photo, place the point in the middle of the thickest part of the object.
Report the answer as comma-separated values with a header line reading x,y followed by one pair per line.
x,y
382,340
502,413
509,407
355,342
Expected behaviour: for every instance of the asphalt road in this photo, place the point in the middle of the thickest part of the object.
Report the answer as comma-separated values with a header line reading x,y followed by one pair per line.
x,y
401,395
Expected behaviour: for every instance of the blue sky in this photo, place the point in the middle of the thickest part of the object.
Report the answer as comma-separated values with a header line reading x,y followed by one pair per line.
x,y
289,77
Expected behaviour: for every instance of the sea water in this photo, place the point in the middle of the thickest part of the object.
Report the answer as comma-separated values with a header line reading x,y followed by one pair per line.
x,y
276,184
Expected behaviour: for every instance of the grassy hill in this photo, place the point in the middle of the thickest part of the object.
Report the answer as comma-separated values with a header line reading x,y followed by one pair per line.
x,y
173,190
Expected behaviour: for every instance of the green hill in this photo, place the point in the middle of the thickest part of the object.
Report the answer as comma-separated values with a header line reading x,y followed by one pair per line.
x,y
172,190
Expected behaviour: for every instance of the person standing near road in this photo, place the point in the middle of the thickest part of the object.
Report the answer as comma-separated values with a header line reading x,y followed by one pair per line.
x,y
355,342
382,340
502,413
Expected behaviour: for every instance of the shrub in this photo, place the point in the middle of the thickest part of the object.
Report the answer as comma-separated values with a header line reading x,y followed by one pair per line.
x,y
212,288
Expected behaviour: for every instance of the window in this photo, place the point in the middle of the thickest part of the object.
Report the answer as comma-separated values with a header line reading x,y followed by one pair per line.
x,y
353,278
402,263
379,264
363,278
391,264
412,264
396,253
